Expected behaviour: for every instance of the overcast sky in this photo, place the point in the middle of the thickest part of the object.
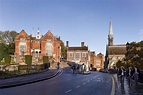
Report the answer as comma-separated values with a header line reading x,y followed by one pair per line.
x,y
76,20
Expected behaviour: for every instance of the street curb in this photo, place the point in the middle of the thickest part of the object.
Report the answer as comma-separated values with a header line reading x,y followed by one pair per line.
x,y
113,86
24,74
30,82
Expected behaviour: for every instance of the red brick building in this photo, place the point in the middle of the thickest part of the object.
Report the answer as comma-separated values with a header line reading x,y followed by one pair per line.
x,y
97,61
39,46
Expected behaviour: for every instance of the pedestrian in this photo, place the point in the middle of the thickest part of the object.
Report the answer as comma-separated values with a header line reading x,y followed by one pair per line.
x,y
136,72
121,75
58,65
129,74
83,68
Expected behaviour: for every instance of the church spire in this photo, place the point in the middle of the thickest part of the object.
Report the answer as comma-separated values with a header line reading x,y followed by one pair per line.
x,y
110,28
110,35
38,34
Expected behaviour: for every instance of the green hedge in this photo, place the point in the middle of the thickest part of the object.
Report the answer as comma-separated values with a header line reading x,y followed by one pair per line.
x,y
36,67
7,59
45,59
28,59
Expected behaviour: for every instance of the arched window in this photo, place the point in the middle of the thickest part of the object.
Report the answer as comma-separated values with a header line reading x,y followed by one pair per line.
x,y
49,48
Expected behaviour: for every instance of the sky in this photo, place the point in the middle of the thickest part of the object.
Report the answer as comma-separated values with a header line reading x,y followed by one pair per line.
x,y
76,21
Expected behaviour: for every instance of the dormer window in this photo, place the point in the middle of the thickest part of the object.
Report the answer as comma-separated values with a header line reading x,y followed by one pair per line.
x,y
48,40
22,39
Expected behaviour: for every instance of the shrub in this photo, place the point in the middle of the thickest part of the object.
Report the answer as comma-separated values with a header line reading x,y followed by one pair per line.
x,y
28,59
7,59
45,59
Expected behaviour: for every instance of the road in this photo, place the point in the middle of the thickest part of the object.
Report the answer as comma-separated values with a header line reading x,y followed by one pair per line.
x,y
66,83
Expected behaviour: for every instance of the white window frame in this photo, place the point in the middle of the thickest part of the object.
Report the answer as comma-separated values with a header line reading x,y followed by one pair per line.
x,y
23,48
49,49
22,39
83,54
75,55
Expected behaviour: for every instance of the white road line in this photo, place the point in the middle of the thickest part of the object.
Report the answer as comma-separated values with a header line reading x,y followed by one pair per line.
x,y
78,86
68,91
84,83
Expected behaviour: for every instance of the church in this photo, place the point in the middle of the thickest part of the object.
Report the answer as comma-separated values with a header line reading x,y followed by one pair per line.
x,y
37,46
114,52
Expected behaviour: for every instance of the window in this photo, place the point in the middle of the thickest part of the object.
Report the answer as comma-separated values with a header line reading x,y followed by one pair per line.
x,y
70,54
37,42
22,39
48,40
49,49
84,54
77,56
22,48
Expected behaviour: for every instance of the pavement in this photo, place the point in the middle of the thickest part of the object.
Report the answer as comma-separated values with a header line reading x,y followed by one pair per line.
x,y
125,89
27,79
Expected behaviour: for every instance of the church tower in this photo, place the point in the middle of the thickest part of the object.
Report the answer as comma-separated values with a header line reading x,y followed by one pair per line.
x,y
110,35
38,34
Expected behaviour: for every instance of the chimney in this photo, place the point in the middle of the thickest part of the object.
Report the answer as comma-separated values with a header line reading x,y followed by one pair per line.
x,y
82,44
67,43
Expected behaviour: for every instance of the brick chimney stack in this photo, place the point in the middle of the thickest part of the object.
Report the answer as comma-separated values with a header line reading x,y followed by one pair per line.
x,y
67,43
82,44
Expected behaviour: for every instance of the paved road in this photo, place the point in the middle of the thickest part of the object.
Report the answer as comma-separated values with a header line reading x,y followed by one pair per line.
x,y
66,83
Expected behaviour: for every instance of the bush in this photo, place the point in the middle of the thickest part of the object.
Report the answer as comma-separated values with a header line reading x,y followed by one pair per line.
x,y
28,59
45,59
7,59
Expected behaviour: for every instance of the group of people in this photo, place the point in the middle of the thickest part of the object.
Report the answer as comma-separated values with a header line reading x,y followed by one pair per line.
x,y
78,68
131,73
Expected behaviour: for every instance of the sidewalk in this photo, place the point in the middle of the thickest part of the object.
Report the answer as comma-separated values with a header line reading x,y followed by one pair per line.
x,y
27,79
125,89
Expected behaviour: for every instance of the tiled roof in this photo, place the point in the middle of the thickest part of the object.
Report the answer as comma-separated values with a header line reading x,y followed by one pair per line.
x,y
33,38
117,50
78,48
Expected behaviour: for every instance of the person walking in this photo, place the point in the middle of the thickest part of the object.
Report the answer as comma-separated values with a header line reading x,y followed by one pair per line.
x,y
121,75
136,72
129,74
58,65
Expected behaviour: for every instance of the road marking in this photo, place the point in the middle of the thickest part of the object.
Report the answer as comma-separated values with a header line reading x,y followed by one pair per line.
x,y
78,86
84,83
88,81
68,91
113,86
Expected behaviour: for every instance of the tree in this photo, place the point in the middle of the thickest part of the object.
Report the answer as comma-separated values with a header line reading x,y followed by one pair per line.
x,y
134,54
3,50
11,48
8,36
63,50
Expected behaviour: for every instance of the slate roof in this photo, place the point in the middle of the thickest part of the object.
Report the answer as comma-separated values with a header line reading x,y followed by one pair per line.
x,y
117,50
78,48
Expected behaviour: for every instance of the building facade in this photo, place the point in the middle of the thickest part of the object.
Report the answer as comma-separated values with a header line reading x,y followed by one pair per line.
x,y
113,52
77,54
97,61
81,55
39,46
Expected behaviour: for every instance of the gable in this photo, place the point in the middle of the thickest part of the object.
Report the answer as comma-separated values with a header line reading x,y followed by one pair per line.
x,y
22,34
48,35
